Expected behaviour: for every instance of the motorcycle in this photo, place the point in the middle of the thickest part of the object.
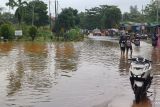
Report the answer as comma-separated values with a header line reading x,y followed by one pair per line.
x,y
137,42
140,76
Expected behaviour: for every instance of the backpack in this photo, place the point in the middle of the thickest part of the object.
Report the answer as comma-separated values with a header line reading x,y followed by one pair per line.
x,y
123,44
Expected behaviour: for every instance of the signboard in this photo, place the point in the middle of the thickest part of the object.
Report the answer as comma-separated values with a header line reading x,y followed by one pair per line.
x,y
18,33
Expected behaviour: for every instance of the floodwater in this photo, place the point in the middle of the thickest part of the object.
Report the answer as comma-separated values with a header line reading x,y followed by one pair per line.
x,y
91,73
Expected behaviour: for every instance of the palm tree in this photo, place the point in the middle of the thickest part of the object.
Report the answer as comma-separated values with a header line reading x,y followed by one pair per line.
x,y
20,8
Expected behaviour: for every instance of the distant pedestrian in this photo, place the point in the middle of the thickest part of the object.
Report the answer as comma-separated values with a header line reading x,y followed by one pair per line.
x,y
154,40
122,43
136,40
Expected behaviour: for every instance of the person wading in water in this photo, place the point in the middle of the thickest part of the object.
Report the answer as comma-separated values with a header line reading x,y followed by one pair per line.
x,y
122,43
154,40
129,45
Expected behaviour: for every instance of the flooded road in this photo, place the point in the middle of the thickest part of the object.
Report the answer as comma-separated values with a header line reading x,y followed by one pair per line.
x,y
82,74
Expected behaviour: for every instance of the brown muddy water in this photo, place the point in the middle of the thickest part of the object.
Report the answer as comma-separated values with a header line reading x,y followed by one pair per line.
x,y
82,74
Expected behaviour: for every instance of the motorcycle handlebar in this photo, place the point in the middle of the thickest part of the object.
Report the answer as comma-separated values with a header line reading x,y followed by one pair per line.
x,y
132,59
135,59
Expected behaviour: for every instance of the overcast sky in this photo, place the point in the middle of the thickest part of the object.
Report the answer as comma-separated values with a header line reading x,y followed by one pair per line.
x,y
82,4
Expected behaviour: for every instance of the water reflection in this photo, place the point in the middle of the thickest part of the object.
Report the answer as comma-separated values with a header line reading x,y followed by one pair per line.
x,y
35,48
156,80
15,79
28,77
6,47
123,65
66,58
36,61
137,49
146,102
36,54
32,69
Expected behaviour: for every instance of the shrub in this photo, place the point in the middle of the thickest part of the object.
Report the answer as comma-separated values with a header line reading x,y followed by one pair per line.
x,y
33,32
73,34
7,31
25,29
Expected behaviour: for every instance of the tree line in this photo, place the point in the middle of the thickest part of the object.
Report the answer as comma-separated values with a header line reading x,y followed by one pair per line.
x,y
28,11
148,14
69,21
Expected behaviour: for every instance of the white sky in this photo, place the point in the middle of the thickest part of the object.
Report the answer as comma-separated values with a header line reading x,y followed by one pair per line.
x,y
82,4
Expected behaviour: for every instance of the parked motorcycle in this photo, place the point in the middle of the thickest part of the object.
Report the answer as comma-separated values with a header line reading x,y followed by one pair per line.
x,y
140,76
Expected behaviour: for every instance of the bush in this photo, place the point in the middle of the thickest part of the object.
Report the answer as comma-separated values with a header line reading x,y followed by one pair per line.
x,y
73,34
7,32
25,29
33,32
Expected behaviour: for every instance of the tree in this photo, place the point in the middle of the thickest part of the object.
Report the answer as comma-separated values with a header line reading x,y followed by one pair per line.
x,y
7,31
33,32
134,15
20,8
101,17
7,17
93,18
39,10
66,20
150,12
111,16
82,20
126,16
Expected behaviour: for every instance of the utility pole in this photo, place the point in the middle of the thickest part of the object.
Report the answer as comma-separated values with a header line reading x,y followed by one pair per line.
x,y
33,6
56,9
143,17
50,14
